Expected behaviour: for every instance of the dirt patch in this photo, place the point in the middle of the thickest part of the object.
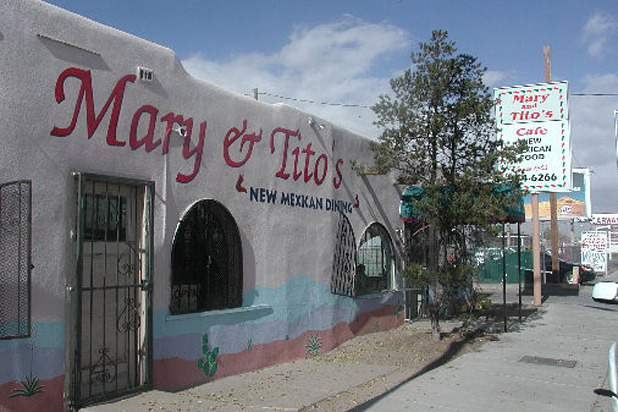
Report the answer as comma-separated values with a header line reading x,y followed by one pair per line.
x,y
410,349
406,346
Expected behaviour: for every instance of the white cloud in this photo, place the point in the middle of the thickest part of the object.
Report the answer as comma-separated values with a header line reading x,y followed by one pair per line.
x,y
593,138
597,32
328,63
494,78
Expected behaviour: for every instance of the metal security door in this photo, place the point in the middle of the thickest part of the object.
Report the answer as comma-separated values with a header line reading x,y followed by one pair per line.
x,y
112,354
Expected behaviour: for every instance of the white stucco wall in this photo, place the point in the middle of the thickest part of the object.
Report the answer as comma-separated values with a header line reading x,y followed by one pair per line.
x,y
31,64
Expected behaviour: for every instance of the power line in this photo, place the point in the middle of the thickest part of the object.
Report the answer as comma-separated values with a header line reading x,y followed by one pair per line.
x,y
594,94
362,106
296,99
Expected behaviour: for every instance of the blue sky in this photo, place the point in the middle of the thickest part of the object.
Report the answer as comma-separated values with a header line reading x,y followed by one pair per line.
x,y
345,51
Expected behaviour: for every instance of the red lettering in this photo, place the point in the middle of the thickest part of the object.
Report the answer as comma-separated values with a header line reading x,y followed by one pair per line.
x,y
282,174
172,119
148,139
524,131
231,136
308,153
115,99
296,173
85,90
324,160
337,180
187,153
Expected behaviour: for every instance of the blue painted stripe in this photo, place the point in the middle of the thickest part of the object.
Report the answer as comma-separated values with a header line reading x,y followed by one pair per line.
x,y
43,335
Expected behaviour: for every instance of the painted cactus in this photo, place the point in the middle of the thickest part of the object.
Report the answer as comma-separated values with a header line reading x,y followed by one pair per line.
x,y
208,363
313,345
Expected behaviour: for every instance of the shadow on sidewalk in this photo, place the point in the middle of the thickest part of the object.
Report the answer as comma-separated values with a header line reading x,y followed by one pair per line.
x,y
487,329
453,350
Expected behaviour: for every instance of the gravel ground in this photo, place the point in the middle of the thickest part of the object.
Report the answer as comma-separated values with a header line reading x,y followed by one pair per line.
x,y
410,350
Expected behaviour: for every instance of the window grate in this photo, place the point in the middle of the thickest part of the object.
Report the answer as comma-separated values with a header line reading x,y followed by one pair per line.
x,y
206,261
15,264
342,280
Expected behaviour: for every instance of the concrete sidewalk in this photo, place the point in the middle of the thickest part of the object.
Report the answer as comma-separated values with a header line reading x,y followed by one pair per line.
x,y
566,349
552,364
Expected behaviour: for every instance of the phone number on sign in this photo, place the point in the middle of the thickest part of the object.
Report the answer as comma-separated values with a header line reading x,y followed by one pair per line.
x,y
541,177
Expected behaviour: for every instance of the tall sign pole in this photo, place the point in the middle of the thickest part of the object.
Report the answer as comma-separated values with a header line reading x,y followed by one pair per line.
x,y
539,115
553,201
536,249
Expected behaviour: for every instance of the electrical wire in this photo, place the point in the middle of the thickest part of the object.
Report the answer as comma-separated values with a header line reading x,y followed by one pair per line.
x,y
295,99
362,106
594,94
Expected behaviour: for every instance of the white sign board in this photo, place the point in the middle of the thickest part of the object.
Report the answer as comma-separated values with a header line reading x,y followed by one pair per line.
x,y
541,102
596,259
538,114
604,219
596,240
546,164
595,246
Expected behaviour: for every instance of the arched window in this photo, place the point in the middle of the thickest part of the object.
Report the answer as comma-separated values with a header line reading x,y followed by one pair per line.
x,y
374,260
206,260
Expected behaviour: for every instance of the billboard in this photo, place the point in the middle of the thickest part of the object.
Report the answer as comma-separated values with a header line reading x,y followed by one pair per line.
x,y
571,205
604,219
538,114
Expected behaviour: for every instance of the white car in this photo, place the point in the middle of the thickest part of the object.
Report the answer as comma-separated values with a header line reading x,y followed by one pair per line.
x,y
606,291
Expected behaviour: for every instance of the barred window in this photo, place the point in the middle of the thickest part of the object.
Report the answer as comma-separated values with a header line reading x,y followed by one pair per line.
x,y
374,260
15,262
106,217
342,280
206,260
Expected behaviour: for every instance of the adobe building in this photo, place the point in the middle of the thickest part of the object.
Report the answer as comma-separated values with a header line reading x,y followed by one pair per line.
x,y
157,231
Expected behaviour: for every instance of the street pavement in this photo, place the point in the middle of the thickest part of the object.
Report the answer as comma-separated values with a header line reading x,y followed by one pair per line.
x,y
551,363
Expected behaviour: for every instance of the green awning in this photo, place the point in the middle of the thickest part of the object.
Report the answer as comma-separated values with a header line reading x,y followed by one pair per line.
x,y
414,193
406,206
515,214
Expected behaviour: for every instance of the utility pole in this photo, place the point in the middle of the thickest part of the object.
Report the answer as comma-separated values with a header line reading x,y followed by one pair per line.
x,y
616,134
536,249
255,93
553,201
536,225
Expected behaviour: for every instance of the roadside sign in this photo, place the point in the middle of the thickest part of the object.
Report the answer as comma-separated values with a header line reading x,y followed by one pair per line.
x,y
540,102
546,164
595,240
594,249
538,114
604,219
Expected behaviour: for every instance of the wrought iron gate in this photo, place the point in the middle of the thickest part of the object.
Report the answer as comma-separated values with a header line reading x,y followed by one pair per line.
x,y
112,352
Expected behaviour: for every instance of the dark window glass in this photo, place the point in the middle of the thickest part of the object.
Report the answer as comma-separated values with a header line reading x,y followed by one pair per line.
x,y
206,261
105,218
374,260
